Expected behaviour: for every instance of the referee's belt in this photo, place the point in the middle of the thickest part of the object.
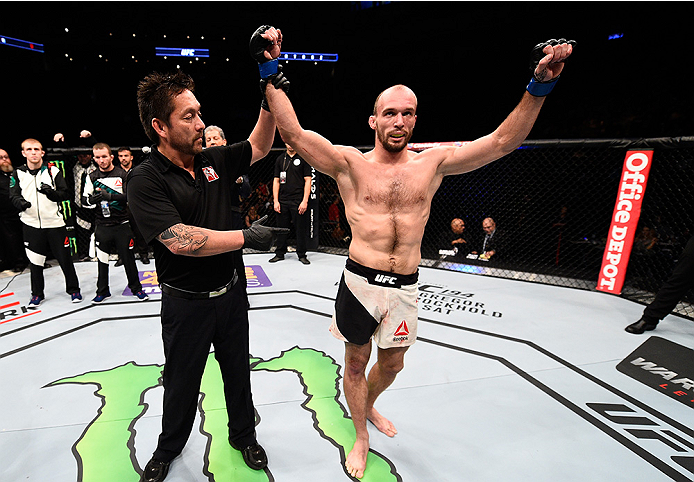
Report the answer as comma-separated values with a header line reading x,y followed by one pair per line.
x,y
198,295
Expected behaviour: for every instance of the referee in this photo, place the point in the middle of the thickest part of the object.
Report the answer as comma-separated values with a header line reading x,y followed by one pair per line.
x,y
180,198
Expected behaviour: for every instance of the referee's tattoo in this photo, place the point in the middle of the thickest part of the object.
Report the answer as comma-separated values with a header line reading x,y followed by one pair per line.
x,y
183,239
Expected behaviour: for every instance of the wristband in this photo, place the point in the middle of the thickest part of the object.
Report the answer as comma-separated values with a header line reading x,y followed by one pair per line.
x,y
268,68
540,89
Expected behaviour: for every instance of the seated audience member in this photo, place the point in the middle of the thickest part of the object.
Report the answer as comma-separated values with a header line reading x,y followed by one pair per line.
x,y
251,216
645,240
492,243
453,242
337,224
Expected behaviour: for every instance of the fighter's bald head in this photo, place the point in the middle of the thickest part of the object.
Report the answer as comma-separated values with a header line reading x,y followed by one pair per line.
x,y
396,89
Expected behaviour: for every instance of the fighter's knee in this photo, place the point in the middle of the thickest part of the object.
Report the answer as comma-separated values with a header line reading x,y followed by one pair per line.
x,y
392,367
355,366
357,358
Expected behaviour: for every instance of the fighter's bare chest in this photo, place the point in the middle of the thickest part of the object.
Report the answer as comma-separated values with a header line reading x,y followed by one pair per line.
x,y
392,191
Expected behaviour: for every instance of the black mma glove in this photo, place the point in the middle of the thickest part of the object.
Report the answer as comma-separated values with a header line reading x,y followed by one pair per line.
x,y
95,198
257,47
270,70
106,195
538,87
22,204
49,192
261,237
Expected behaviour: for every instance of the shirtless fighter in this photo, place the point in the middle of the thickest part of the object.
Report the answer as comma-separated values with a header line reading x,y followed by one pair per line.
x,y
387,194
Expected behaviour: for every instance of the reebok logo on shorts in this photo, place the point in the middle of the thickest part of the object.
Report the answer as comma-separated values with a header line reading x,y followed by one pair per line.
x,y
402,333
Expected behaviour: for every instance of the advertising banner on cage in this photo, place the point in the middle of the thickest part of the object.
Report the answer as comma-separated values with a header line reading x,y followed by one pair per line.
x,y
312,210
625,218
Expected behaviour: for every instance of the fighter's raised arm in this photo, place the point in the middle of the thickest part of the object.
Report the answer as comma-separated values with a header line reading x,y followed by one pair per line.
x,y
548,60
314,148
265,47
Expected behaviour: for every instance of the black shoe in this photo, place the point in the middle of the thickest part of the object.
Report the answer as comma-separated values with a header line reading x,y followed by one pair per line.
x,y
254,455
119,262
144,259
278,257
155,471
641,326
304,260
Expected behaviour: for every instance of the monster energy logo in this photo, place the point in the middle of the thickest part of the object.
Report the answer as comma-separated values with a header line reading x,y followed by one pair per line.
x,y
109,438
60,164
64,206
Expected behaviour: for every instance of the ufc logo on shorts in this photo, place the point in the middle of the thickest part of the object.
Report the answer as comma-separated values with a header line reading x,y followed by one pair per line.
x,y
381,278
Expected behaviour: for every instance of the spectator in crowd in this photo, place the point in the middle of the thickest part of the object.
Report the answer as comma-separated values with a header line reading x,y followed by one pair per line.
x,y
252,216
645,240
38,191
492,241
334,210
337,225
291,188
562,218
214,136
106,191
262,201
454,240
125,159
560,230
84,215
12,254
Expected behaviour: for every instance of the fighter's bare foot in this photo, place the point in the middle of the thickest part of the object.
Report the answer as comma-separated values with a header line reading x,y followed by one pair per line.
x,y
382,423
356,460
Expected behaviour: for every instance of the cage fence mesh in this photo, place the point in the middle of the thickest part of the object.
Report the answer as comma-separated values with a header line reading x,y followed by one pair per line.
x,y
552,202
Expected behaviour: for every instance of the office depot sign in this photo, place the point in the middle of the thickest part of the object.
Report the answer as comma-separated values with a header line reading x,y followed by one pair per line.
x,y
627,211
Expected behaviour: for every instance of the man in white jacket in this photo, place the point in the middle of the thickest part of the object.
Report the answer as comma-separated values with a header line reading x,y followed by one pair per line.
x,y
38,191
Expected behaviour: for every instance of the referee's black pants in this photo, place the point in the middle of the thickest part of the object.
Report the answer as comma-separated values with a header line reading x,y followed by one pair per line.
x,y
189,327
675,287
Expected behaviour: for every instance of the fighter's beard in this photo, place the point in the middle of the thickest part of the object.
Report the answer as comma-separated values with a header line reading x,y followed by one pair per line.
x,y
383,139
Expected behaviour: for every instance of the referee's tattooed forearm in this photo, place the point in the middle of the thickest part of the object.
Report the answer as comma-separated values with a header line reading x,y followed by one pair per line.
x,y
183,239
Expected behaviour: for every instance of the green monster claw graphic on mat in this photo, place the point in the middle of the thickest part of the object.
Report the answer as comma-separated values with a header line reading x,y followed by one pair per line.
x,y
105,452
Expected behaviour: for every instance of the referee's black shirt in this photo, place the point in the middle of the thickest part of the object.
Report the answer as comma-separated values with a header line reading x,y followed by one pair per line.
x,y
161,194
